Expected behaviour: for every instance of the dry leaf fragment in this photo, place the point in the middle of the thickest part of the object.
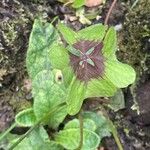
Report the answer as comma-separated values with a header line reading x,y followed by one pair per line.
x,y
92,3
3,72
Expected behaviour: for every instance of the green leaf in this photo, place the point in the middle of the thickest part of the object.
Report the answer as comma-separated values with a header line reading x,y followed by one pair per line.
x,y
76,94
41,39
90,61
55,146
103,128
110,44
121,75
117,101
74,51
48,96
100,87
68,75
36,140
90,51
94,32
87,124
78,3
70,139
26,118
68,34
59,57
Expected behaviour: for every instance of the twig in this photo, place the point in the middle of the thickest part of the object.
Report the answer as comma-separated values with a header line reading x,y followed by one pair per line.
x,y
109,12
134,4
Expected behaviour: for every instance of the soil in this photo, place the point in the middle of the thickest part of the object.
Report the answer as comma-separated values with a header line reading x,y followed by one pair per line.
x,y
16,19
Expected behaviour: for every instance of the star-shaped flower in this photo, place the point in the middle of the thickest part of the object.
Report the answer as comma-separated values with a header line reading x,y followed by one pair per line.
x,y
89,64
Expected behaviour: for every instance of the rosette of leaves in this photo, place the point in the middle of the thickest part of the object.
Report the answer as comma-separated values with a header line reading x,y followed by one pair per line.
x,y
89,64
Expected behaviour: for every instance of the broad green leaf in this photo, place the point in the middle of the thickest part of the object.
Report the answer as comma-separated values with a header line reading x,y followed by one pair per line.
x,y
121,75
95,32
103,128
68,34
117,101
48,96
38,139
76,94
41,39
7,140
70,139
78,3
68,75
110,44
54,146
59,57
87,124
100,87
31,142
26,118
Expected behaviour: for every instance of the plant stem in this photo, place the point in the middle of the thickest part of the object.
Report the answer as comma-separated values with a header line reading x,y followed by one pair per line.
x,y
109,12
23,136
115,135
113,129
134,4
7,131
81,130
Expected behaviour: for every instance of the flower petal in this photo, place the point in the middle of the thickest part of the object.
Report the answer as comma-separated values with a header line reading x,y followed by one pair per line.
x,y
76,96
110,44
100,87
59,57
121,75
68,34
94,32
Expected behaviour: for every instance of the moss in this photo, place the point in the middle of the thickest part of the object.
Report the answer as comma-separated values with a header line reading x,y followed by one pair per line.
x,y
16,23
135,29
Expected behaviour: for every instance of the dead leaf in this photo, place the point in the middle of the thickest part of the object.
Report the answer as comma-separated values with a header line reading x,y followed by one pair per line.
x,y
92,3
27,85
3,72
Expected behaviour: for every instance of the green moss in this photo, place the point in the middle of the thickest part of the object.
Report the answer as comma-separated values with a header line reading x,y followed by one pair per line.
x,y
16,26
136,27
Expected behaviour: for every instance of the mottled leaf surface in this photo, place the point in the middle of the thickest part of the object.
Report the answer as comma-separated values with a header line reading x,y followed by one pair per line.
x,y
41,39
70,139
48,96
38,139
26,117
103,128
87,124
